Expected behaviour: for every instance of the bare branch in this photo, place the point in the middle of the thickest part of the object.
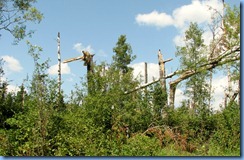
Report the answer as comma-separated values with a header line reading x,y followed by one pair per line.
x,y
73,59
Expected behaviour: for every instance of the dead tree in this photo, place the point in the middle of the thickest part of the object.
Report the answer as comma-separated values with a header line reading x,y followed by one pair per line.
x,y
88,61
162,72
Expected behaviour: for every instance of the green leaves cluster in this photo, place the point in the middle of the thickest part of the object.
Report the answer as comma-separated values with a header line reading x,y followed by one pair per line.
x,y
15,14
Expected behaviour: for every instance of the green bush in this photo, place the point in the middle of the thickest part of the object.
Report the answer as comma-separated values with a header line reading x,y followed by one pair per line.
x,y
141,145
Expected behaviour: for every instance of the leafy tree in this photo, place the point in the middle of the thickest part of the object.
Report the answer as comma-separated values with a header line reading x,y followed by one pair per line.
x,y
123,54
15,14
193,56
30,128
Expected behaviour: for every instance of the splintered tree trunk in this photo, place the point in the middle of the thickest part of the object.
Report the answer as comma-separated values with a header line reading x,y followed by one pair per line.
x,y
161,63
88,61
162,74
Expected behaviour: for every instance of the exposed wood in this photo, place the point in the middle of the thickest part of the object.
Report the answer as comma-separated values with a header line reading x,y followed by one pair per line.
x,y
162,72
88,61
162,76
73,59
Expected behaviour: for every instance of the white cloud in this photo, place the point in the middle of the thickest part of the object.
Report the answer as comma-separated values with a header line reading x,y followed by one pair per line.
x,y
179,40
12,88
179,97
197,11
154,19
53,70
11,64
80,47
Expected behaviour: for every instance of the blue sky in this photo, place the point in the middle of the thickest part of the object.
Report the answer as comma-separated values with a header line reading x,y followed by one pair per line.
x,y
96,25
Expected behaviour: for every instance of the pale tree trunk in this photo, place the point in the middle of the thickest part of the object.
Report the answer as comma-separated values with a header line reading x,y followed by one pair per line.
x,y
59,65
162,71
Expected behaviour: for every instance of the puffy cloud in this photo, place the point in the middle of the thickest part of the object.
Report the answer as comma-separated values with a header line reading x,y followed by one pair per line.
x,y
80,47
11,64
12,88
154,19
179,40
53,70
179,97
197,11
220,85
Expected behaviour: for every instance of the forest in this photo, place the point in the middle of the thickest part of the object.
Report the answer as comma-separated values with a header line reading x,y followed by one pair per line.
x,y
110,113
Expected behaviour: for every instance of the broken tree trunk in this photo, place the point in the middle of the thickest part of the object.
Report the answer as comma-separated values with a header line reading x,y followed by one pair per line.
x,y
162,73
223,58
162,76
88,61
220,60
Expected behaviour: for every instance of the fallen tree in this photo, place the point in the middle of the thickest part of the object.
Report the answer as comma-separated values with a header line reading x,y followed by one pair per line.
x,y
224,58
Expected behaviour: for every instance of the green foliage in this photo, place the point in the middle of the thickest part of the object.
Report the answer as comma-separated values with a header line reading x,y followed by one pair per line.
x,y
15,14
193,55
141,145
227,136
123,56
